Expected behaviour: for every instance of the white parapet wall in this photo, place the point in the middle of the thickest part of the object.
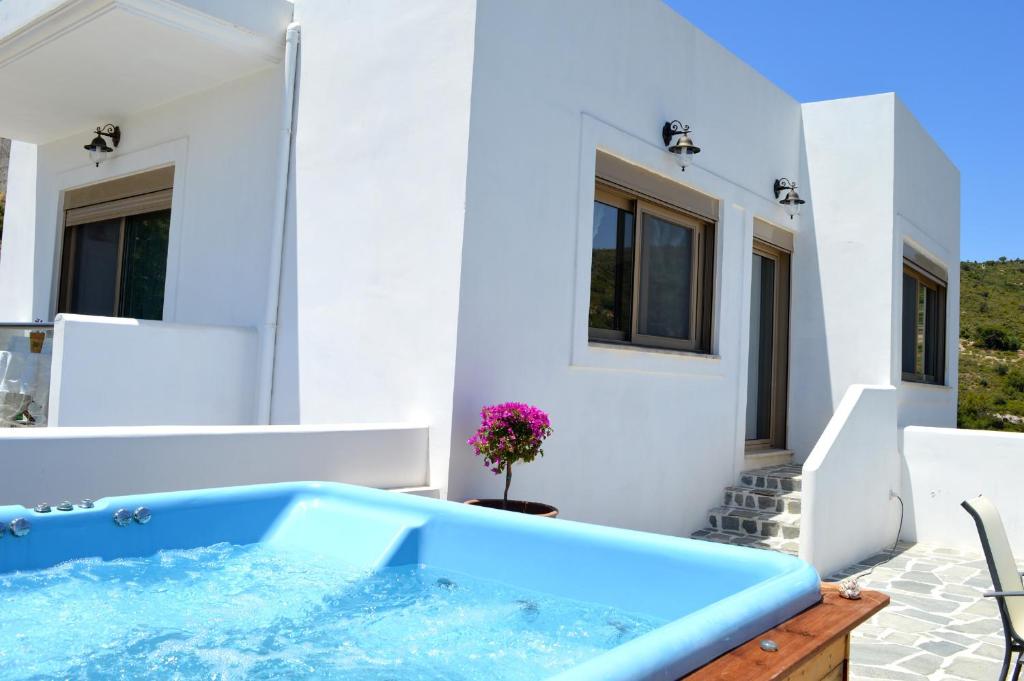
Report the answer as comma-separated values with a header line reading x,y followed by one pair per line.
x,y
126,372
54,464
848,513
944,466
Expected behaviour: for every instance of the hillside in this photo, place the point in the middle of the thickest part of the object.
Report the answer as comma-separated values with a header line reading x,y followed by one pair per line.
x,y
991,329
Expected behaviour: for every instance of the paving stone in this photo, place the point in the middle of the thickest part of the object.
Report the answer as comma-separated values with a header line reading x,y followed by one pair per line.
x,y
983,608
955,572
929,604
915,587
942,648
955,638
901,638
907,625
865,672
926,616
960,590
925,663
984,626
923,577
973,668
989,650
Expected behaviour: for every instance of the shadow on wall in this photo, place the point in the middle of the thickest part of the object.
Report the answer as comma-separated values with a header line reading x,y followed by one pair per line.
x,y
810,401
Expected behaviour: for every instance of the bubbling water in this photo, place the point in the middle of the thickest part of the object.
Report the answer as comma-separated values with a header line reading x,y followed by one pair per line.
x,y
258,612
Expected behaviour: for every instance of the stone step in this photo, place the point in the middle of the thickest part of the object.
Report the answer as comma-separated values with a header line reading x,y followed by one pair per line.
x,y
754,523
790,546
786,478
762,499
765,457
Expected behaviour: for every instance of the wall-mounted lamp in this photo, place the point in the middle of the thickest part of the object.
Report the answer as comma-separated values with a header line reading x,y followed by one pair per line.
x,y
683,147
792,200
98,148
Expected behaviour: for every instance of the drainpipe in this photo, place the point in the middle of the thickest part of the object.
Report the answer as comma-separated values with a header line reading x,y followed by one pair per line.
x,y
268,334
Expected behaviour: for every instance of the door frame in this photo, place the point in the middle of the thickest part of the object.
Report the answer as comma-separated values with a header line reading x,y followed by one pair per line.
x,y
779,408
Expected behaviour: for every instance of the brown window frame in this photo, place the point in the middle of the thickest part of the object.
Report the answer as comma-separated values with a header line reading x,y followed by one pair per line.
x,y
928,281
120,210
780,348
702,270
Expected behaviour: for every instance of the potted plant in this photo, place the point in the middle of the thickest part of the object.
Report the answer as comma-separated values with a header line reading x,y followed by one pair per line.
x,y
511,433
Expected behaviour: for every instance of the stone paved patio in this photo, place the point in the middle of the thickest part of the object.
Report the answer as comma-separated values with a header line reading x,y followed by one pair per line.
x,y
938,626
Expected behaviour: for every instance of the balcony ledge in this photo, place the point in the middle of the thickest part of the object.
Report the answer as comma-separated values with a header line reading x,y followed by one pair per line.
x,y
69,65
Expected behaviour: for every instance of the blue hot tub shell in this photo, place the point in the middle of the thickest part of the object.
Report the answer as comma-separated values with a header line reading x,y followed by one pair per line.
x,y
713,596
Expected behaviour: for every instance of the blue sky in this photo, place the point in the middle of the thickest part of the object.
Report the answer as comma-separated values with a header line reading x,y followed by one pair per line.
x,y
959,66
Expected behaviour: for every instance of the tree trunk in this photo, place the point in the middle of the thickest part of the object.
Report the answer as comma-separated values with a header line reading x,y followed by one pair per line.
x,y
508,481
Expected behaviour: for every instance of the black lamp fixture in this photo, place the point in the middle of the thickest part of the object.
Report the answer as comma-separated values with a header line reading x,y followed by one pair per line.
x,y
792,200
98,148
682,146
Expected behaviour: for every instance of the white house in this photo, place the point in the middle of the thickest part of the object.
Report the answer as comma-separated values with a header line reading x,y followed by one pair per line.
x,y
329,215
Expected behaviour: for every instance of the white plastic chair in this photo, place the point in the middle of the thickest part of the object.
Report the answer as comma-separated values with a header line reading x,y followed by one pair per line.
x,y
1009,593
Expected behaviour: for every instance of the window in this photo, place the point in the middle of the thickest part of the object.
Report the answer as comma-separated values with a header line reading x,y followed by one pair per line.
x,y
650,274
767,366
924,325
114,260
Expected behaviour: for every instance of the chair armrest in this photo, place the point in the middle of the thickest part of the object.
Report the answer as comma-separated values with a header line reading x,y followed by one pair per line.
x,y
1002,594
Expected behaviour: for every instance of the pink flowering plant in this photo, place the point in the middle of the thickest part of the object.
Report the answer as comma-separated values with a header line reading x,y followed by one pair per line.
x,y
510,433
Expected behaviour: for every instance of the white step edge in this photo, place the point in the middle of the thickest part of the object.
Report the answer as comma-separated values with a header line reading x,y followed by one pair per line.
x,y
762,458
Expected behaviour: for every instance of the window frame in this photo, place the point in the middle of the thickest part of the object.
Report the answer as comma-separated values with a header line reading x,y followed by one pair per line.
x,y
120,210
617,199
701,270
927,280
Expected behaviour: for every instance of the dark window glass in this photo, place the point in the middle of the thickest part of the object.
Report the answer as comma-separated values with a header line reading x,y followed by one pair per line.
x,y
762,341
611,269
666,279
117,267
144,268
93,267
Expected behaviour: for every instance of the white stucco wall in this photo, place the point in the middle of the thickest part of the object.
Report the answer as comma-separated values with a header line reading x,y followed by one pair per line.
x,y
643,439
16,262
878,181
841,327
927,216
127,372
847,511
944,466
53,464
225,162
369,304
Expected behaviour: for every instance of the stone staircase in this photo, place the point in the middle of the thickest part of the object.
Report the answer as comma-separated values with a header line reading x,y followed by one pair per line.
x,y
763,511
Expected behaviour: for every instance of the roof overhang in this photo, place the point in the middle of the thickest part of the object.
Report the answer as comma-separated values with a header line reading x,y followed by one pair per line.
x,y
70,65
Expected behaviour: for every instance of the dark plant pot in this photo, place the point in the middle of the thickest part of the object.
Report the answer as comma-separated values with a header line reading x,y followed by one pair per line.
x,y
528,507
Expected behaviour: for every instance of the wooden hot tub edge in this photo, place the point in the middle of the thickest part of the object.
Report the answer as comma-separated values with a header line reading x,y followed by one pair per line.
x,y
813,646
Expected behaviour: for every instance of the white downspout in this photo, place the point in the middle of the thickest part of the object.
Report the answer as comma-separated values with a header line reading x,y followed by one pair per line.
x,y
268,334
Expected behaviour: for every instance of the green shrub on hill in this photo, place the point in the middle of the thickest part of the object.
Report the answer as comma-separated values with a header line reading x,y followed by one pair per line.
x,y
991,360
995,338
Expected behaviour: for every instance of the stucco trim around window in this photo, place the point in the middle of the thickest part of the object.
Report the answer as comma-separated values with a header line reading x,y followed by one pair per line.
x,y
173,153
587,353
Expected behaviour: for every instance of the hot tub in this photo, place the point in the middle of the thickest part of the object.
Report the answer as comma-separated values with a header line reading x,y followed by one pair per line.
x,y
324,580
